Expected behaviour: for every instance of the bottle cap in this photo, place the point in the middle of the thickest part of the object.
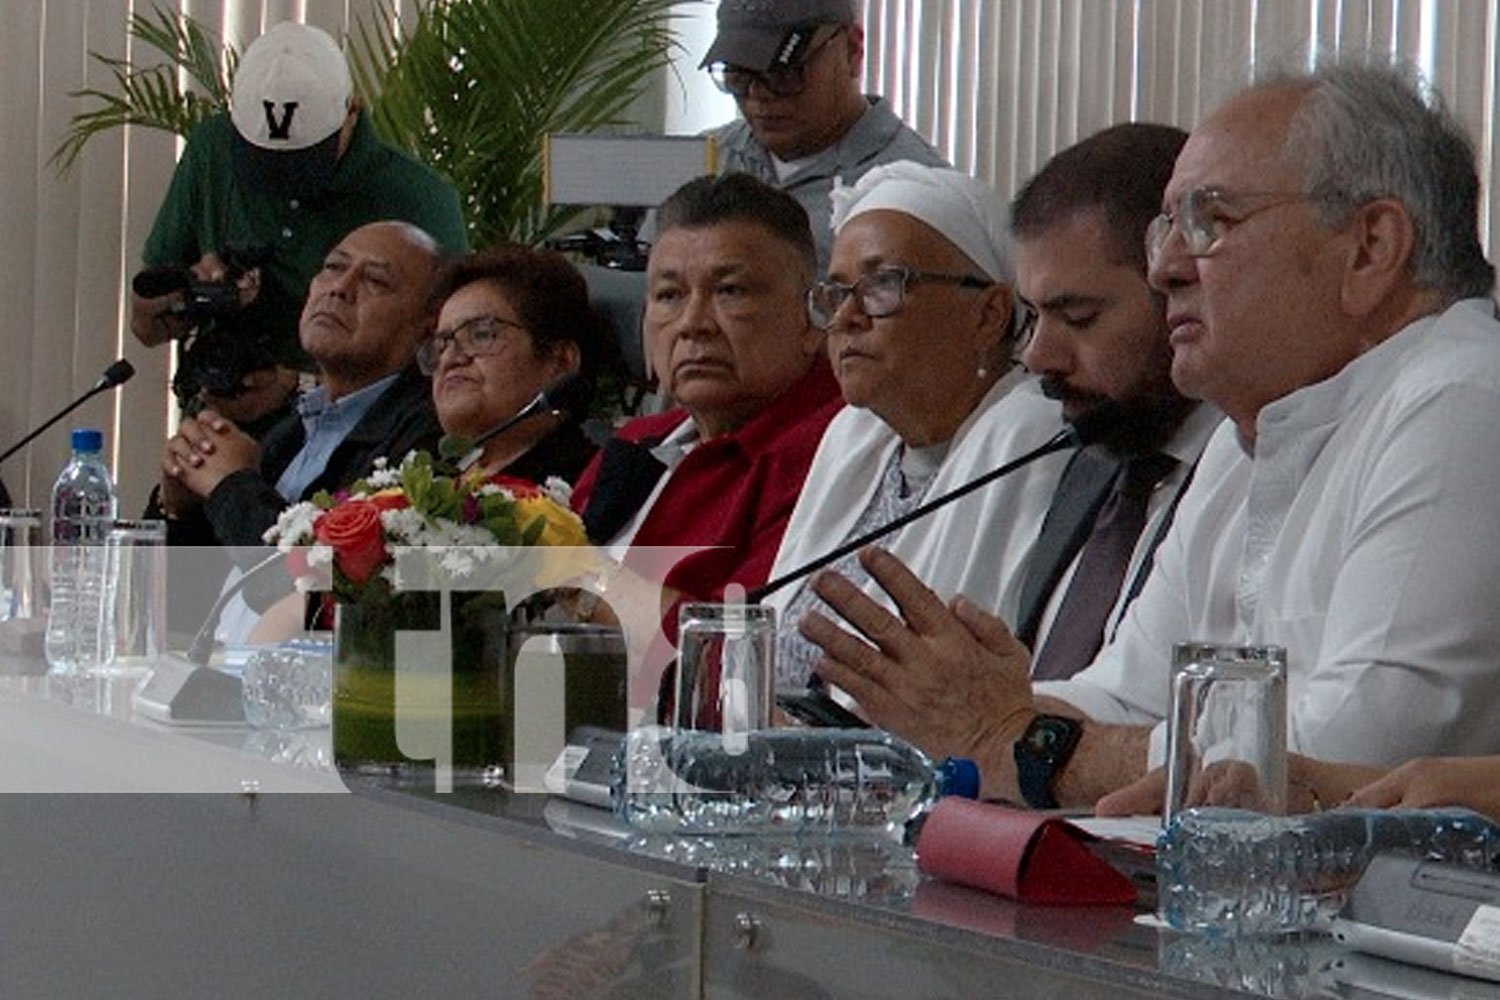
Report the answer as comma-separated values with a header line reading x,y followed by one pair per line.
x,y
960,776
87,439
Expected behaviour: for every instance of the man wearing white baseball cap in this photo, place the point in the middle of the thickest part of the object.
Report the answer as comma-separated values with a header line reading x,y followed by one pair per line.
x,y
793,68
259,198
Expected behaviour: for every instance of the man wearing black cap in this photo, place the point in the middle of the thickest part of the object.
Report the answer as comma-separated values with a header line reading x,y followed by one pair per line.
x,y
793,68
259,198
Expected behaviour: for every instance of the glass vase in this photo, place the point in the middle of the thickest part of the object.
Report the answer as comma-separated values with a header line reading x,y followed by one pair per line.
x,y
445,713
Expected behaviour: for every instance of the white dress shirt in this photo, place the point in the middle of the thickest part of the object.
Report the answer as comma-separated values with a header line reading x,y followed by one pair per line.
x,y
1361,536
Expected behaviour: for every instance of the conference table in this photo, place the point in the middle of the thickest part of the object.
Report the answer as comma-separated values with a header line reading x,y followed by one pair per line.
x,y
139,859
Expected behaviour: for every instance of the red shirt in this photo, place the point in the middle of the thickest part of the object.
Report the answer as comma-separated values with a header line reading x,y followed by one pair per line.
x,y
734,492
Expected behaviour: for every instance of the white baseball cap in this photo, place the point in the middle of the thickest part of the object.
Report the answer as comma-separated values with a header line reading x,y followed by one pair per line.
x,y
291,89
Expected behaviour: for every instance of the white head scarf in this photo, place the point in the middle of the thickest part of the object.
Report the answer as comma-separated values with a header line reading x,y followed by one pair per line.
x,y
966,211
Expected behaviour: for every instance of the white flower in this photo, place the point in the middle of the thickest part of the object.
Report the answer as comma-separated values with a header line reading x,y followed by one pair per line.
x,y
489,489
558,489
382,477
457,560
294,526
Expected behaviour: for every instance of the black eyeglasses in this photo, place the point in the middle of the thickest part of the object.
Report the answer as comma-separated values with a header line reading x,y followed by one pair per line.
x,y
881,292
784,81
476,338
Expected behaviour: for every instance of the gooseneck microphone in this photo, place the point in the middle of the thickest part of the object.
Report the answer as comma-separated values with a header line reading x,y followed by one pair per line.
x,y
569,394
202,646
1088,428
116,374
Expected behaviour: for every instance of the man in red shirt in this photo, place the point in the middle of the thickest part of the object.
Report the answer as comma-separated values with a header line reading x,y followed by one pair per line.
x,y
732,345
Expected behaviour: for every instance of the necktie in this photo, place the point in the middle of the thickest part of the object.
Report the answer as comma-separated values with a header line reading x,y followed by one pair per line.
x,y
1078,630
1087,481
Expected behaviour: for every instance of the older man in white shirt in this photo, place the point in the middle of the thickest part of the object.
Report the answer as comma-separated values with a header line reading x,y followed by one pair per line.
x,y
1326,289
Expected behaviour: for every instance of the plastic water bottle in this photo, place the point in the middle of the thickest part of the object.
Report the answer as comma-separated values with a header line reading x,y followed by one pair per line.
x,y
847,781
83,511
1230,871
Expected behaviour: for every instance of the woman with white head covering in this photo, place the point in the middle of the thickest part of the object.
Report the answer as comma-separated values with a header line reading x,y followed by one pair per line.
x,y
921,320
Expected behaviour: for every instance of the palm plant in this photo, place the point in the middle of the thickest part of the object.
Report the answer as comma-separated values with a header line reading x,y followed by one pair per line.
x,y
472,87
153,96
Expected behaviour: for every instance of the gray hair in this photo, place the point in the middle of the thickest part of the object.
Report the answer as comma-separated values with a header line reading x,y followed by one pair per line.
x,y
1369,129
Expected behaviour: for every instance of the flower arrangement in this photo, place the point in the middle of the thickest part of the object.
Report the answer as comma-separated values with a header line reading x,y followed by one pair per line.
x,y
347,541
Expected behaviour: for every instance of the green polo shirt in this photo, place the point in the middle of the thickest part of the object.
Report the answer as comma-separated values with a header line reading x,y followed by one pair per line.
x,y
206,208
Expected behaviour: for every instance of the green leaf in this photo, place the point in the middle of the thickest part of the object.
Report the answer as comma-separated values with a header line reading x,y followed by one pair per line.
x,y
474,87
152,95
471,87
534,530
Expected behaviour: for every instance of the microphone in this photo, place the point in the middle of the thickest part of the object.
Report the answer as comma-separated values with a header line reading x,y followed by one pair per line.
x,y
183,688
202,646
116,374
819,707
1088,428
569,395
154,282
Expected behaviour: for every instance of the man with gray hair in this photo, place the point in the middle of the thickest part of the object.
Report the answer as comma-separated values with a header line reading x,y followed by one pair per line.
x,y
1326,289
793,68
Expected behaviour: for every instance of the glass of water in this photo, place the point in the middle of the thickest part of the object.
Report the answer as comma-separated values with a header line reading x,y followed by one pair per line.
x,y
725,667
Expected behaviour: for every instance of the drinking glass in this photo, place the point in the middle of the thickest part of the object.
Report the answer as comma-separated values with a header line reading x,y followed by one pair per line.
x,y
562,675
1226,736
20,564
725,668
134,609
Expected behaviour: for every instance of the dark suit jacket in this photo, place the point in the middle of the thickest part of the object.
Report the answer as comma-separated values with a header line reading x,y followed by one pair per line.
x,y
231,524
245,504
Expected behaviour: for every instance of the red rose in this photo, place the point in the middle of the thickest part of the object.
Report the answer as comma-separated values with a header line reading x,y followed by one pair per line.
x,y
354,533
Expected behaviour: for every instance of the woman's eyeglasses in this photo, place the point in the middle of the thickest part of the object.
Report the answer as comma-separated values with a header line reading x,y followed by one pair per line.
x,y
475,338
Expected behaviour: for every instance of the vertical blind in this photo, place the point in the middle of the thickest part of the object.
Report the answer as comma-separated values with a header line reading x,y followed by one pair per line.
x,y
999,85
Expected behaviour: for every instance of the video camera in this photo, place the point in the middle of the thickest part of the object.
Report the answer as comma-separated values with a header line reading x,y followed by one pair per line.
x,y
204,299
218,348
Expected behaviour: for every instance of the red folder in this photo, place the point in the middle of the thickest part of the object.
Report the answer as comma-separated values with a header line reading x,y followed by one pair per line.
x,y
1035,857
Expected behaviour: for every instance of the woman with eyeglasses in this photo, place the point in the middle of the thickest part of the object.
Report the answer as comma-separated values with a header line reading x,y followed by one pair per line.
x,y
512,322
922,322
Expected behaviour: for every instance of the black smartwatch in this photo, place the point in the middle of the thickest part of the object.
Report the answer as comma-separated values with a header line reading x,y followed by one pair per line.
x,y
1041,752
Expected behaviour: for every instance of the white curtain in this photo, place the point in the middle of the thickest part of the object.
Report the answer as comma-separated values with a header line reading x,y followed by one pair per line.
x,y
999,84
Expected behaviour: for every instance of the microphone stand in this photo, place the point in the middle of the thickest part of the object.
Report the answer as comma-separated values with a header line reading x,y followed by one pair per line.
x,y
202,646
113,376
183,688
566,395
1064,439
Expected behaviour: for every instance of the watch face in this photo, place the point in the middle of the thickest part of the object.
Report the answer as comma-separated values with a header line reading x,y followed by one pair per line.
x,y
1050,738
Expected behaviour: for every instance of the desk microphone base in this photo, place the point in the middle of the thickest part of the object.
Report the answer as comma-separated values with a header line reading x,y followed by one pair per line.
x,y
184,693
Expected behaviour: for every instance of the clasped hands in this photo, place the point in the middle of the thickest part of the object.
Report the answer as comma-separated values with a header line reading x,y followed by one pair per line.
x,y
949,678
205,450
